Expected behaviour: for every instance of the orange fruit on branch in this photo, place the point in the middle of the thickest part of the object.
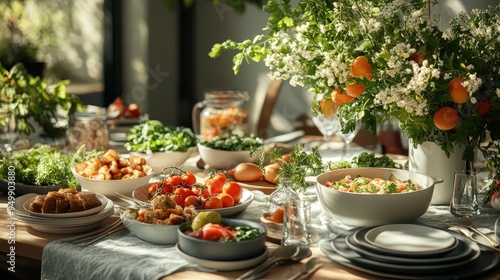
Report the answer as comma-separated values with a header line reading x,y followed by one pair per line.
x,y
458,92
340,98
355,89
361,68
446,118
327,107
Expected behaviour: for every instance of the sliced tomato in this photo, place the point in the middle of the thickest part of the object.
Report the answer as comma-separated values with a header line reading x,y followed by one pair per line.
x,y
216,232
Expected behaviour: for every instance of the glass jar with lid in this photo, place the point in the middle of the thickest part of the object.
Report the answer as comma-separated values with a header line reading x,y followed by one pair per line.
x,y
221,113
89,129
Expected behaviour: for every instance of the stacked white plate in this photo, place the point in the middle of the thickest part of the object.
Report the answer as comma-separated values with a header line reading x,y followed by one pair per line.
x,y
65,223
409,251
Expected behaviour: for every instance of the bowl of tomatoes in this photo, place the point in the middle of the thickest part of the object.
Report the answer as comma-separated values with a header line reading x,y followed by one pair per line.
x,y
214,192
228,240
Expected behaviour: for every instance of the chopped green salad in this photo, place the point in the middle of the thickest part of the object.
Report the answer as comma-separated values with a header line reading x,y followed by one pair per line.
x,y
152,136
360,184
233,143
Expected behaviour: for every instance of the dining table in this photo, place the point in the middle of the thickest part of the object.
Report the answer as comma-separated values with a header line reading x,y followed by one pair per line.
x,y
38,255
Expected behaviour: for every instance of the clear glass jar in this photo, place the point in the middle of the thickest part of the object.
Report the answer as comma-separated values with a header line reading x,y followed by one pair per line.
x,y
221,113
89,129
280,196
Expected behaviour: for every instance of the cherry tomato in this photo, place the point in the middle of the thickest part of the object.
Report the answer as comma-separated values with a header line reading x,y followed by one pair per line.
x,y
278,215
201,190
177,198
175,180
213,202
153,188
193,200
188,179
216,182
233,189
226,199
184,192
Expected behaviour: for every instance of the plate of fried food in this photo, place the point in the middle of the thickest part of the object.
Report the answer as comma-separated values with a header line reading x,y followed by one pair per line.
x,y
65,203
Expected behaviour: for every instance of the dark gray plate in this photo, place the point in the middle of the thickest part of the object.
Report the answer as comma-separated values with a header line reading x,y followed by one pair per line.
x,y
486,261
22,189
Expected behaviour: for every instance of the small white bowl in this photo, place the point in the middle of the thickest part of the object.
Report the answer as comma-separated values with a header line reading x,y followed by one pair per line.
x,y
159,160
221,159
109,187
156,234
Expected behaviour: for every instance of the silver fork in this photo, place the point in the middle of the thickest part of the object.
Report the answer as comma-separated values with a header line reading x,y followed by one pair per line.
x,y
307,269
466,222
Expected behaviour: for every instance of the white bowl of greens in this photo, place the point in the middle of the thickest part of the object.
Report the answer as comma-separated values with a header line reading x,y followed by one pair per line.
x,y
227,152
161,145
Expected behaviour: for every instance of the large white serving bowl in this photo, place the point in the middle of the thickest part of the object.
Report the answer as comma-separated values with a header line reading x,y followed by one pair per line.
x,y
109,187
159,160
362,209
156,234
221,159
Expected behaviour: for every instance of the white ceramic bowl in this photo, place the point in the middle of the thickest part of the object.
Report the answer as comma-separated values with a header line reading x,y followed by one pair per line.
x,y
363,210
221,159
109,187
160,160
156,234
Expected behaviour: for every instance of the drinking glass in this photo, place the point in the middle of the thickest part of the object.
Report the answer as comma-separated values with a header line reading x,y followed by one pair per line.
x,y
328,126
8,132
464,198
296,220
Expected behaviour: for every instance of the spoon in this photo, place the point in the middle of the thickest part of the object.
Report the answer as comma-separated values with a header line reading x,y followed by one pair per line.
x,y
304,252
280,254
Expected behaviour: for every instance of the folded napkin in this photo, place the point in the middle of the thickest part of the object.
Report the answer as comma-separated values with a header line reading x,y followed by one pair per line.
x,y
119,256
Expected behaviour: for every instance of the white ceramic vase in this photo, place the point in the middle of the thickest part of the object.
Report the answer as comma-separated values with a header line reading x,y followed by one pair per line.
x,y
429,159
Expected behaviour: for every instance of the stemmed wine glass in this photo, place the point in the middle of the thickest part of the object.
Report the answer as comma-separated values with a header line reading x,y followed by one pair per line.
x,y
328,126
347,139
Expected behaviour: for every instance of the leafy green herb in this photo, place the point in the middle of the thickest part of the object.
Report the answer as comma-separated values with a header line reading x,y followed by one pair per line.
x,y
371,160
301,165
152,136
234,143
243,233
43,165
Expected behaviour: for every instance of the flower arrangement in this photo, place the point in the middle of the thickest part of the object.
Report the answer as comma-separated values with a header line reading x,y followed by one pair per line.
x,y
378,60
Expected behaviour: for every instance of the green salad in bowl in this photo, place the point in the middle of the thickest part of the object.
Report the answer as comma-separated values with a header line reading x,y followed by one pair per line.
x,y
162,146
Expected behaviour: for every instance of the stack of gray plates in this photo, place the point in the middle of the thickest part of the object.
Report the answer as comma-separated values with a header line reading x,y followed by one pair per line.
x,y
409,251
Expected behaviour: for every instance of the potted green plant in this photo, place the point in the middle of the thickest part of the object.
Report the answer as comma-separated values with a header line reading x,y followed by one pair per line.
x,y
31,101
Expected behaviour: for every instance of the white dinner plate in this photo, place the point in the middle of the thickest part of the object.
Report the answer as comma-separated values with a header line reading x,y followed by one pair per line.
x,y
65,230
405,240
486,261
63,226
340,246
460,251
224,265
410,238
246,199
95,210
